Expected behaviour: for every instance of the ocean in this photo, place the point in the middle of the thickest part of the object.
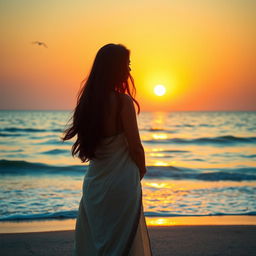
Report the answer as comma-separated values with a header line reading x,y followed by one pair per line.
x,y
199,164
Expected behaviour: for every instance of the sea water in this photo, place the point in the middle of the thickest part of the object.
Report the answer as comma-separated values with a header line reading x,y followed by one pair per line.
x,y
199,164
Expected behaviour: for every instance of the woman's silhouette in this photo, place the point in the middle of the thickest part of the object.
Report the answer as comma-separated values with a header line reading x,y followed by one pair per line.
x,y
110,219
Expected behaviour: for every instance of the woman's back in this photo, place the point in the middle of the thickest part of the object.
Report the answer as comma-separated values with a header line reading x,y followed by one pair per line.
x,y
112,124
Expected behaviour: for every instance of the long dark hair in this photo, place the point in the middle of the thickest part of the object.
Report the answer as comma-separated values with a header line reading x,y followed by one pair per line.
x,y
110,72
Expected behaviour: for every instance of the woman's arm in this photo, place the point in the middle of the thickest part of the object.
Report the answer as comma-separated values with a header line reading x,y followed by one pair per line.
x,y
131,131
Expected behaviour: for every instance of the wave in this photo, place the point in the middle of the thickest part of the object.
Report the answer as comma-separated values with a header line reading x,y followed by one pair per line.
x,y
177,125
54,142
159,130
185,125
155,130
180,173
40,216
160,214
71,214
56,152
233,155
228,139
248,156
172,151
12,151
11,134
16,129
14,167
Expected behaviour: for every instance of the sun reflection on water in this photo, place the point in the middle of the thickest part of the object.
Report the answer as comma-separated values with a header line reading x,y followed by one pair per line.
x,y
156,185
160,163
157,154
159,136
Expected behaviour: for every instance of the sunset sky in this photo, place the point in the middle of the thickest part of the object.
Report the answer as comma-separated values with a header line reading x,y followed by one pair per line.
x,y
202,51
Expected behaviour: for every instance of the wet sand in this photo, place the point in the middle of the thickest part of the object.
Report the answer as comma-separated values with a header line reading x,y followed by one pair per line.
x,y
192,240
69,224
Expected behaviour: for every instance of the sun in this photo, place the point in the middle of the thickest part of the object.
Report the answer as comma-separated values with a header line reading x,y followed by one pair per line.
x,y
159,90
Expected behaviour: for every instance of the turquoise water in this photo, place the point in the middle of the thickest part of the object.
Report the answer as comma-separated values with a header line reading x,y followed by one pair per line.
x,y
199,163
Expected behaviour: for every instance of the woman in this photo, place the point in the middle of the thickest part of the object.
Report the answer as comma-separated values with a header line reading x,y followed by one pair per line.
x,y
110,218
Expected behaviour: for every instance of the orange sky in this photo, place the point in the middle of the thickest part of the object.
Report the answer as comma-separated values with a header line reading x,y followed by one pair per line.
x,y
202,51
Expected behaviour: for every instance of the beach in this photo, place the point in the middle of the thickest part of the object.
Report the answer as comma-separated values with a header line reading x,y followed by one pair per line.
x,y
179,236
183,240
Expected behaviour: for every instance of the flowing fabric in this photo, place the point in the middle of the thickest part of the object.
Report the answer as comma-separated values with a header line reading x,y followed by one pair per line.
x,y
110,219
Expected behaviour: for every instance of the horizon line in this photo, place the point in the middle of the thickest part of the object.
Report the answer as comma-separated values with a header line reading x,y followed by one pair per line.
x,y
141,110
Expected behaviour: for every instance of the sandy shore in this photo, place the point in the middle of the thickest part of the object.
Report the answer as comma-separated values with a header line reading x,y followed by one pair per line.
x,y
69,224
201,240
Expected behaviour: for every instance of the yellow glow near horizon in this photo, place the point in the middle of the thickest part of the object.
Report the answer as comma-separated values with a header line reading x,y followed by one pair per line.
x,y
159,90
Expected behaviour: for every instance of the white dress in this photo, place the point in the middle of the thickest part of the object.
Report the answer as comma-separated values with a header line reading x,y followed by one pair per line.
x,y
110,219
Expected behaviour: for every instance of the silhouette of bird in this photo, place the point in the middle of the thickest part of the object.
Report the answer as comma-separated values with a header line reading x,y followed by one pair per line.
x,y
40,43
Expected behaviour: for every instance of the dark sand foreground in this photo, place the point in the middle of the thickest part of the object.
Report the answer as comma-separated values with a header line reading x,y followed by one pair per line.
x,y
173,240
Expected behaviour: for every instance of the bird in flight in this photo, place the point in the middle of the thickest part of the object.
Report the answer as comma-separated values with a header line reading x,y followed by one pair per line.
x,y
40,43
